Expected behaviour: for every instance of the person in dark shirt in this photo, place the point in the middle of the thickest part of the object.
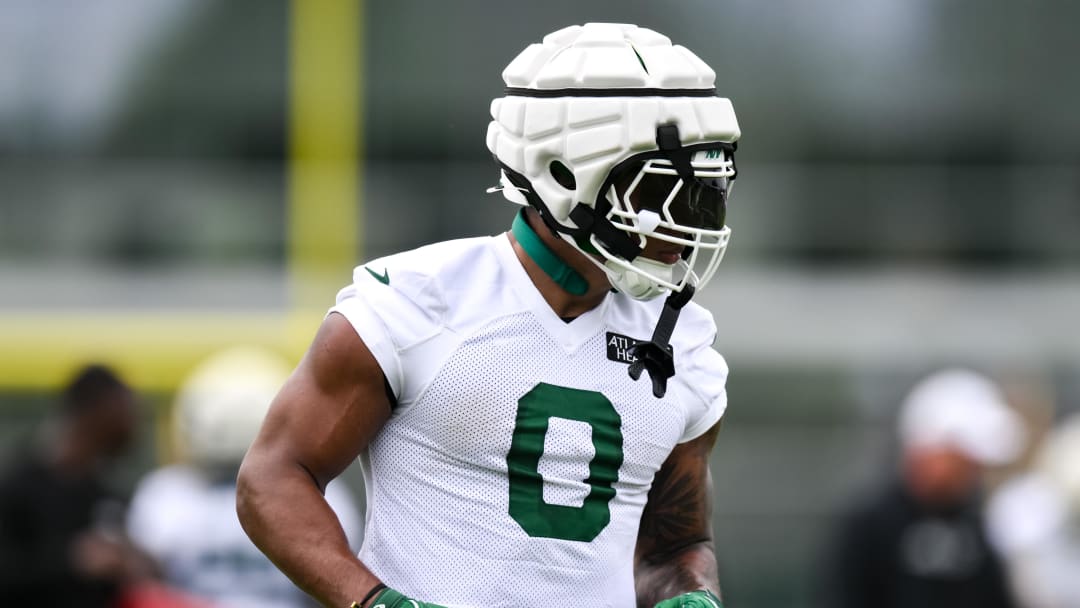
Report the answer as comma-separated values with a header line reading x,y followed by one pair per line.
x,y
61,540
921,541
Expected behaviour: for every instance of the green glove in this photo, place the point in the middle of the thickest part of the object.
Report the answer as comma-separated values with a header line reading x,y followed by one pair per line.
x,y
388,598
703,598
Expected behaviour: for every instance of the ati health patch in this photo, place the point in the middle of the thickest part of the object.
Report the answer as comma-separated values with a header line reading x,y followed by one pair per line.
x,y
618,347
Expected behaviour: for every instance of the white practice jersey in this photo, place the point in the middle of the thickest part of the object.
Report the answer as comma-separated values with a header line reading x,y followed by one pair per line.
x,y
519,455
189,525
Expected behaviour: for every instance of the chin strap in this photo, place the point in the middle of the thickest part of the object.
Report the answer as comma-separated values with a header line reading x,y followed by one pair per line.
x,y
656,356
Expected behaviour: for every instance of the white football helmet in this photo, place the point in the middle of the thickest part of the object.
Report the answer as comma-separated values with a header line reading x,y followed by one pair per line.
x,y
222,403
615,135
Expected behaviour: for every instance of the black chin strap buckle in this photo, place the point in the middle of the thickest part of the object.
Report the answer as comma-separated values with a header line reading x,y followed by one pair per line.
x,y
656,356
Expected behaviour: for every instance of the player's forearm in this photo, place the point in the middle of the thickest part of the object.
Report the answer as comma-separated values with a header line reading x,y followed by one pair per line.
x,y
660,577
286,516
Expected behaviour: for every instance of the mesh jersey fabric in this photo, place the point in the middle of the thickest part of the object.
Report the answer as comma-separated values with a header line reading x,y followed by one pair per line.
x,y
515,467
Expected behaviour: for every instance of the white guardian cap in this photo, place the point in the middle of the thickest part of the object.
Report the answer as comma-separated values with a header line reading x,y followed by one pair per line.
x,y
615,135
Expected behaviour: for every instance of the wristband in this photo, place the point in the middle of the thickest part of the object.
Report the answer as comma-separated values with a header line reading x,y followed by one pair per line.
x,y
391,598
702,598
370,594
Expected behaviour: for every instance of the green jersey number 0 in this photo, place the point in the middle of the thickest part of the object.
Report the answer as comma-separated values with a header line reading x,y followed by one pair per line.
x,y
535,409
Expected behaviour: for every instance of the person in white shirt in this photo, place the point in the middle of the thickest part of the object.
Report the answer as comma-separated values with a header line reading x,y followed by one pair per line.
x,y
533,418
1034,521
184,514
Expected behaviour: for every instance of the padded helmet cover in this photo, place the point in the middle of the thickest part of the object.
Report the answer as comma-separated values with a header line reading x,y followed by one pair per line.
x,y
589,97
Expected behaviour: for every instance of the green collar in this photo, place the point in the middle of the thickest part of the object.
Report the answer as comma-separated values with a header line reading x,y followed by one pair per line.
x,y
563,275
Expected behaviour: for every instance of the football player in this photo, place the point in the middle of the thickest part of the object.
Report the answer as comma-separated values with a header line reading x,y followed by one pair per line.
x,y
533,417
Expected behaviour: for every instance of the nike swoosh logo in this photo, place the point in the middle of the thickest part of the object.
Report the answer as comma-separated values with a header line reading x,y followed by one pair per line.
x,y
383,278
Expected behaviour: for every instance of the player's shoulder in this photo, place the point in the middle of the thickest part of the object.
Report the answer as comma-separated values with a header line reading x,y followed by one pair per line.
x,y
694,329
451,285
421,276
430,266
441,257
696,324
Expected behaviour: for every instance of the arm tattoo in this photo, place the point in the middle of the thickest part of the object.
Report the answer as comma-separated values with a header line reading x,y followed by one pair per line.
x,y
675,550
677,511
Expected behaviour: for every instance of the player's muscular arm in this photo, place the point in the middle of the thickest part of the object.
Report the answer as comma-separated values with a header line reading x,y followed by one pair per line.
x,y
325,415
675,547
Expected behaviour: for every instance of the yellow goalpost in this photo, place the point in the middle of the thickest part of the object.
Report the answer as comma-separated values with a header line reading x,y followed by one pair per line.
x,y
155,350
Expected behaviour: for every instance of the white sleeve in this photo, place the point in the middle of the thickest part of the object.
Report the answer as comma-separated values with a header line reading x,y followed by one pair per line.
x,y
390,317
701,377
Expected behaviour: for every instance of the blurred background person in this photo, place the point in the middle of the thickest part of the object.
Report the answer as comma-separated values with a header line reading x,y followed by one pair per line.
x,y
61,527
184,514
921,540
1035,522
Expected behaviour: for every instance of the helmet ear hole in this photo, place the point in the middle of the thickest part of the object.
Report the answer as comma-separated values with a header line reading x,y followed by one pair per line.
x,y
563,175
